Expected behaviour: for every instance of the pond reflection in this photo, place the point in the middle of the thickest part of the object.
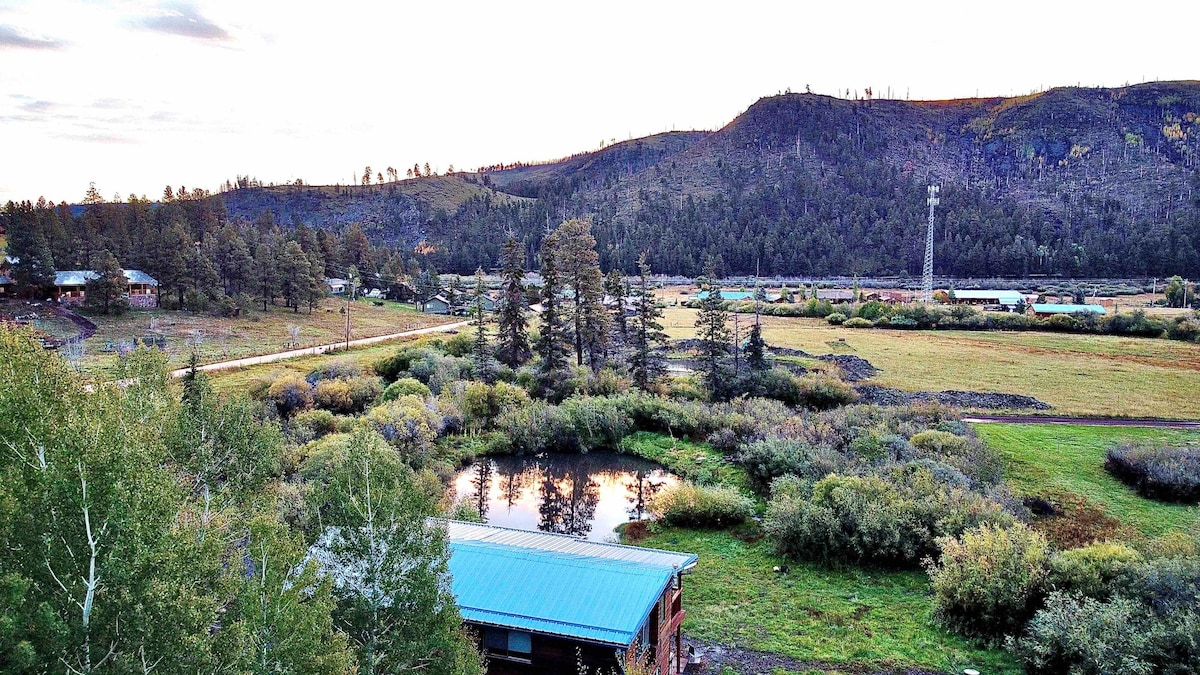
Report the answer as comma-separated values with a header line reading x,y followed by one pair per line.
x,y
586,495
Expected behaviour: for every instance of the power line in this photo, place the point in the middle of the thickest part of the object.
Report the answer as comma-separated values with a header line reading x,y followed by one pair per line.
x,y
927,273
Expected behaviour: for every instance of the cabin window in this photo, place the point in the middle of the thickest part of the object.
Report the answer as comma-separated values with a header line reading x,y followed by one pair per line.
x,y
508,644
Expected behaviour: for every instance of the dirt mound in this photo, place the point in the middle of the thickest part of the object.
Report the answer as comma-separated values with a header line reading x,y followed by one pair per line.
x,y
984,400
788,351
749,662
854,368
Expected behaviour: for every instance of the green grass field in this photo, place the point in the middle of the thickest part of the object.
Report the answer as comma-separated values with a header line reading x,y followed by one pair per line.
x,y
1078,375
848,619
1042,459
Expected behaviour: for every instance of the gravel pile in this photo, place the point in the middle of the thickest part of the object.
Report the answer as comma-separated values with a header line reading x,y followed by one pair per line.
x,y
750,662
854,368
983,400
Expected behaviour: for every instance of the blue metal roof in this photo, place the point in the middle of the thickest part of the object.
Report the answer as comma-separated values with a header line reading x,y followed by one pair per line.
x,y
4,280
577,596
81,277
1039,308
729,295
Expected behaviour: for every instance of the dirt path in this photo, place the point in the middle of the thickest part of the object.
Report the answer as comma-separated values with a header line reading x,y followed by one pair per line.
x,y
1083,421
320,349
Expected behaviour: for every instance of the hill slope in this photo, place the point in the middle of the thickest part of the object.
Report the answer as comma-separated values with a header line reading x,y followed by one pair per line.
x,y
1073,182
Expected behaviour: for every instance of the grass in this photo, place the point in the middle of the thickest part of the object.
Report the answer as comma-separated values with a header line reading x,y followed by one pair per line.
x,y
260,332
1043,459
697,462
1081,375
845,618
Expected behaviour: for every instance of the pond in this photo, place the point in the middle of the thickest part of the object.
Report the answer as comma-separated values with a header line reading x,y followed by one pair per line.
x,y
586,495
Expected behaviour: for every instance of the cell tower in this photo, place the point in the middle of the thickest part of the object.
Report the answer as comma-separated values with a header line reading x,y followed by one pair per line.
x,y
927,277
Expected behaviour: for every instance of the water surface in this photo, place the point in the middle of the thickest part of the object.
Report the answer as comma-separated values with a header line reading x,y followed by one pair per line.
x,y
586,495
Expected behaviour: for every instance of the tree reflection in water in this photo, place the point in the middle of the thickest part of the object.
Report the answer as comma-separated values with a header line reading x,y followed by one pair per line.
x,y
584,495
569,496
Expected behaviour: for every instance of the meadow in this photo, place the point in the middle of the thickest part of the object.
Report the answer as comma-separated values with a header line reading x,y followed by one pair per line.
x,y
1078,375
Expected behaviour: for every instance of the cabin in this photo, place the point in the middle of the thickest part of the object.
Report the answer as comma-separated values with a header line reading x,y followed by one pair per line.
x,y
1009,300
739,296
438,304
541,603
6,285
1040,309
336,286
835,294
70,287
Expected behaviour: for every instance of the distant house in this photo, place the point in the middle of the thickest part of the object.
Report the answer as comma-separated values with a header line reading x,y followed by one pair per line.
x,y
1006,299
6,284
738,296
538,600
835,294
336,286
70,287
438,304
1050,310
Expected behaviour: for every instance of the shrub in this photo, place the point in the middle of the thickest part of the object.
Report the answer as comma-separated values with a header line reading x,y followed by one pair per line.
x,y
333,395
335,370
939,442
769,458
1093,571
858,322
689,505
1163,473
408,426
364,391
1077,522
390,367
290,393
822,392
436,370
990,581
460,344
1081,635
836,319
406,386
318,422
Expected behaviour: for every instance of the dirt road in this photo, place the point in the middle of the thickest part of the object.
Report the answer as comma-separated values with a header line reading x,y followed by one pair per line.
x,y
320,349
1084,421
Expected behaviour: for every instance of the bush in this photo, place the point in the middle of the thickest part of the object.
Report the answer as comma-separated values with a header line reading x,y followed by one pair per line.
x,y
290,393
940,442
1162,473
460,344
990,581
819,391
406,386
436,370
408,426
1081,635
333,395
858,322
335,370
1093,571
769,458
836,319
689,505
364,391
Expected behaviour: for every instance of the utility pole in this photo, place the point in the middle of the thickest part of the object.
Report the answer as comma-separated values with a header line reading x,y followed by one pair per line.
x,y
349,298
927,273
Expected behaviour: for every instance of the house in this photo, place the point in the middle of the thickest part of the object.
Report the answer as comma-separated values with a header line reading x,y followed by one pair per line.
x,y
6,284
1050,310
1006,299
738,296
438,304
835,294
70,287
336,286
535,597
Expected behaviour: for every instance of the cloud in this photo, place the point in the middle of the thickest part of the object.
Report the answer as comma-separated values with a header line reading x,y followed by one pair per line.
x,y
183,19
12,37
99,137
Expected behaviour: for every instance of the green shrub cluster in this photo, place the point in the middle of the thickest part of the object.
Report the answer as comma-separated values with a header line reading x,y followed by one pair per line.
x,y
990,581
406,386
895,521
1163,473
691,505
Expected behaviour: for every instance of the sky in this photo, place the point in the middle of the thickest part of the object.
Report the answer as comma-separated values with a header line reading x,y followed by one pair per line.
x,y
134,95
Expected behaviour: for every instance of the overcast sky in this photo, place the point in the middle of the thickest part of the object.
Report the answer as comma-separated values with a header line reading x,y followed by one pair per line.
x,y
134,95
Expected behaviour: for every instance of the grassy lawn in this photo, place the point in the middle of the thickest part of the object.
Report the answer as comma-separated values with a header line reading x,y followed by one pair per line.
x,y
849,618
698,462
258,333
1045,458
1076,374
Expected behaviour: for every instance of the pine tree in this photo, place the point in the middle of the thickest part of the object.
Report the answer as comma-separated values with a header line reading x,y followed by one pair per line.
x,y
294,275
481,352
455,297
756,348
614,288
712,329
552,346
513,335
266,272
106,291
33,271
645,364
580,266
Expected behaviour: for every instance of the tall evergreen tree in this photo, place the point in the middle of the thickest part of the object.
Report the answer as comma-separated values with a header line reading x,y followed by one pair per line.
x,y
614,288
645,363
481,351
552,346
580,267
33,271
712,329
266,272
107,290
513,335
756,348
294,275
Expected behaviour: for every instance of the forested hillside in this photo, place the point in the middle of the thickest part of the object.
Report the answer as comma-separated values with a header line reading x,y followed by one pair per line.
x,y
1071,182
